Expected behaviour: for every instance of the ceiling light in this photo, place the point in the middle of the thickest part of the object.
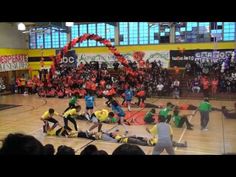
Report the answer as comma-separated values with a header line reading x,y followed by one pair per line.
x,y
21,26
69,24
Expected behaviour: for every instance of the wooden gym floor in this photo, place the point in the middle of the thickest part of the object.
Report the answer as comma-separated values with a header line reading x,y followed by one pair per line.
x,y
219,139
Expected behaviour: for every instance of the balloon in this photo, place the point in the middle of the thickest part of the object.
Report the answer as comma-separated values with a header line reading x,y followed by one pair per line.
x,y
53,69
79,38
106,42
85,37
30,69
69,46
181,50
41,63
96,37
58,55
73,42
141,62
139,55
65,49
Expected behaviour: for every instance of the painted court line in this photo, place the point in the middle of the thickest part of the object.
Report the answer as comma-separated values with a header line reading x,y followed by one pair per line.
x,y
195,152
181,136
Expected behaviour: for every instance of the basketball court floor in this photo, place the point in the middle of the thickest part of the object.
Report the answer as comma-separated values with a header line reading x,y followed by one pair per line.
x,y
22,114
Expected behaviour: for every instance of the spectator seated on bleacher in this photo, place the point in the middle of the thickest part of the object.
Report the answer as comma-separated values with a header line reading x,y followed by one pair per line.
x,y
196,86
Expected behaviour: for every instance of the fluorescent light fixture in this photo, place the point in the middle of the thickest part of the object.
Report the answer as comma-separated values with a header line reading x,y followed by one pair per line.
x,y
69,24
21,26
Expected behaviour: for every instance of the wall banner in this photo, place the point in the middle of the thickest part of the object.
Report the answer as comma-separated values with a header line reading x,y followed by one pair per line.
x,y
163,56
180,58
13,62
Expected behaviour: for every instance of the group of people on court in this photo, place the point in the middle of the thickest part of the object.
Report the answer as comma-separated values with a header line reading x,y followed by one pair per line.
x,y
161,132
97,117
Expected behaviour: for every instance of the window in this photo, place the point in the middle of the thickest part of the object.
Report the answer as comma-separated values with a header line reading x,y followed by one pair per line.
x,y
192,32
33,41
92,30
40,39
229,31
204,27
48,38
83,30
63,39
217,34
204,32
55,38
167,30
154,29
110,33
133,33
162,33
101,32
123,26
75,33
182,29
177,33
191,25
143,33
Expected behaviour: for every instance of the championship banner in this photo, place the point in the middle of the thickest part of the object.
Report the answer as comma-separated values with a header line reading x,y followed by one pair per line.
x,y
180,58
13,62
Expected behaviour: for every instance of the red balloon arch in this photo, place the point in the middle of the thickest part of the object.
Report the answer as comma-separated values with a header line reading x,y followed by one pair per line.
x,y
97,38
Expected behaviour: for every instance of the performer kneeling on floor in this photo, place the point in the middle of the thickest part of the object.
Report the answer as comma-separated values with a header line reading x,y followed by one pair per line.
x,y
149,117
180,120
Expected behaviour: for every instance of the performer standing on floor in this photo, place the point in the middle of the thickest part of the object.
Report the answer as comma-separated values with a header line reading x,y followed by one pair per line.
x,y
116,108
128,97
69,115
204,108
90,103
165,136
48,117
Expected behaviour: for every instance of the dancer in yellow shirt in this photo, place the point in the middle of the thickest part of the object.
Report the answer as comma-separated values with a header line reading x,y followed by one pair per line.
x,y
48,117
